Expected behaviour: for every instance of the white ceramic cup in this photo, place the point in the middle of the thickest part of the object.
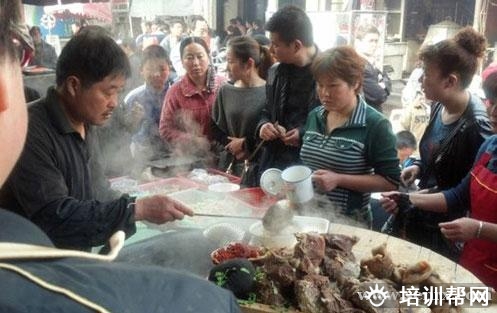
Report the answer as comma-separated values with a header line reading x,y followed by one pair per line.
x,y
298,179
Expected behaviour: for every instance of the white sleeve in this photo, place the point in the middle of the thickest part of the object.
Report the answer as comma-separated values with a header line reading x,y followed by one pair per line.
x,y
176,61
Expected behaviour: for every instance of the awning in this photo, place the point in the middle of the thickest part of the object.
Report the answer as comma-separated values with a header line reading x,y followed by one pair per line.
x,y
140,8
100,11
55,2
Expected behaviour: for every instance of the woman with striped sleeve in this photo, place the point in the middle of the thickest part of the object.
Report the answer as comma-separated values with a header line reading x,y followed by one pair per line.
x,y
349,145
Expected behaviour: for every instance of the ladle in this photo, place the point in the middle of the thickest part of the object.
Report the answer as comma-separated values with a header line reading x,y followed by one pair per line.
x,y
278,216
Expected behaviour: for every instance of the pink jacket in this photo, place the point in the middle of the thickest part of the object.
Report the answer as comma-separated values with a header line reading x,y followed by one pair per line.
x,y
186,112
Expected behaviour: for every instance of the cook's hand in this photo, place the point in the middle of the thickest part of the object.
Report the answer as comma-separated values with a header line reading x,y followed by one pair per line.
x,y
236,147
325,180
389,203
292,138
160,209
461,229
268,132
409,174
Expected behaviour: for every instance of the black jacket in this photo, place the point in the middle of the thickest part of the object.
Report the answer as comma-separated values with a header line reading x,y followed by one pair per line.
x,y
452,164
375,94
290,96
58,182
118,287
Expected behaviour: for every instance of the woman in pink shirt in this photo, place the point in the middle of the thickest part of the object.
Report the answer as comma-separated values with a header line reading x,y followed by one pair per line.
x,y
186,112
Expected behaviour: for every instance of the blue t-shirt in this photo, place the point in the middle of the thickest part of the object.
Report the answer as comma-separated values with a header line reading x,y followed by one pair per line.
x,y
431,143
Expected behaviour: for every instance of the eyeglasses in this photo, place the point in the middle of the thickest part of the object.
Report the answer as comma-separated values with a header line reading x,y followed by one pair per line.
x,y
22,42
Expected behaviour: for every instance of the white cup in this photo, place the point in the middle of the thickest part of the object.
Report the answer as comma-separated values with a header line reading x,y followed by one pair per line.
x,y
298,179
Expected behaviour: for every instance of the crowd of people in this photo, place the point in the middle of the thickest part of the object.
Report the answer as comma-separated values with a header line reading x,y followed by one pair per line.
x,y
286,105
35,273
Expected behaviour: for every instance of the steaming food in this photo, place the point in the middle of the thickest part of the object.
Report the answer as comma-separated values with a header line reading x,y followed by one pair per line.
x,y
203,177
278,217
322,275
285,238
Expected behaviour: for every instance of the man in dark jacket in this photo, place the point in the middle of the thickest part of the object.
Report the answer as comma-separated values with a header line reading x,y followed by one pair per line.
x,y
376,84
59,183
31,280
290,88
44,54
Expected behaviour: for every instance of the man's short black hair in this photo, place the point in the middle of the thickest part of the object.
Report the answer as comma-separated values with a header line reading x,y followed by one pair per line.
x,y
91,56
291,23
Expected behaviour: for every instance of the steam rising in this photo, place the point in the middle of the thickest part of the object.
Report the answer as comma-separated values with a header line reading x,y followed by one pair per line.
x,y
321,206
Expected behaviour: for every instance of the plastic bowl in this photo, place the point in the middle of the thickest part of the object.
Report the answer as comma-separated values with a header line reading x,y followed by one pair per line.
x,y
286,238
224,187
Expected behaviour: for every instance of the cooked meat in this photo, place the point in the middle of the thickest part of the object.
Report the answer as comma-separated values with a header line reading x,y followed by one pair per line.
x,y
308,293
321,275
335,267
381,264
315,295
341,243
363,293
334,303
279,269
446,309
339,259
267,292
310,251
398,270
417,273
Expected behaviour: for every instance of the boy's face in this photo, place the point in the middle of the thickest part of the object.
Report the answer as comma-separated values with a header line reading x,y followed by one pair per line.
x,y
404,153
155,73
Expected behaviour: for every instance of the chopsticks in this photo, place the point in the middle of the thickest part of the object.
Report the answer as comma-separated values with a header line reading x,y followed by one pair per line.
x,y
226,216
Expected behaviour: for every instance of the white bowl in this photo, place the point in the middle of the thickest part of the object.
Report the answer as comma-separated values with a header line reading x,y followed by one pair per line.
x,y
286,237
224,187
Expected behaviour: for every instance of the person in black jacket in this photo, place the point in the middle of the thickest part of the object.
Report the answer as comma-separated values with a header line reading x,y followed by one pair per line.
x,y
59,183
376,83
32,279
290,88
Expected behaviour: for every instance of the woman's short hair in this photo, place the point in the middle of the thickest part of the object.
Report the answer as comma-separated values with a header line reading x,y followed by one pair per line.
x,y
341,62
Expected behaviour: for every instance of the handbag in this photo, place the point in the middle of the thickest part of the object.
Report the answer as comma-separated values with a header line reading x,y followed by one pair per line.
x,y
249,177
397,225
